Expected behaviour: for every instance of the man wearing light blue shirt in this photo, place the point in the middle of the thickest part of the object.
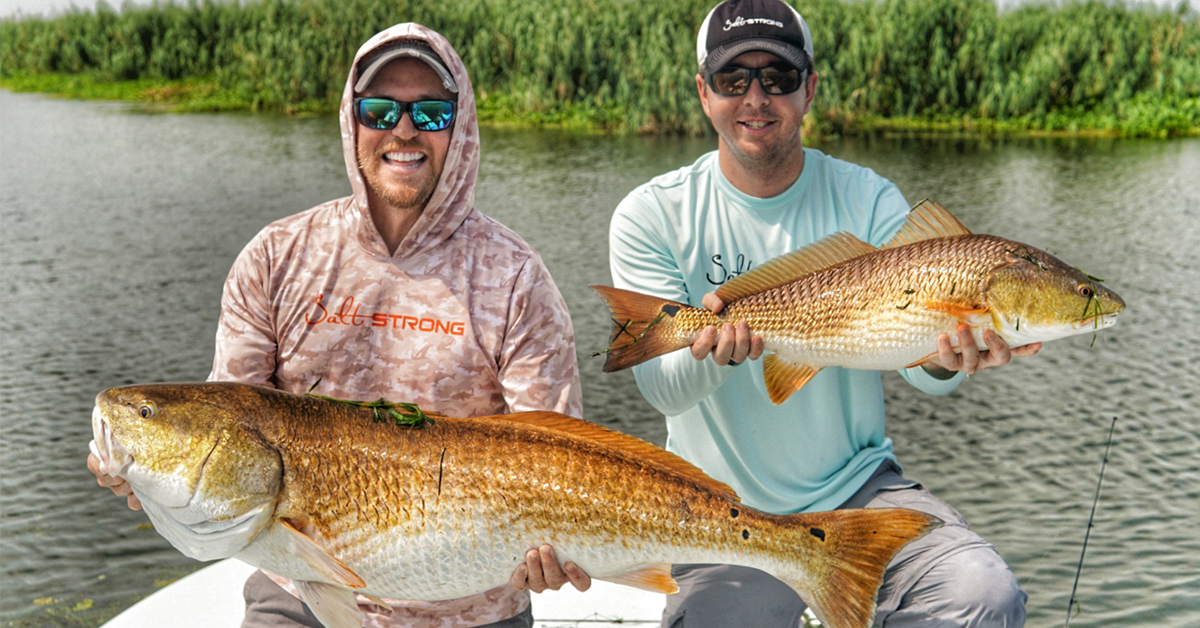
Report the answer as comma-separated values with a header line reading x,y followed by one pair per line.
x,y
760,195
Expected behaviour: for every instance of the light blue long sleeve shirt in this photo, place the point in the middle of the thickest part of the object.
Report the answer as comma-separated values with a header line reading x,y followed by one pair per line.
x,y
684,234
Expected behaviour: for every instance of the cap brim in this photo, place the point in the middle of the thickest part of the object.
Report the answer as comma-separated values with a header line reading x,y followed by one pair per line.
x,y
721,57
429,58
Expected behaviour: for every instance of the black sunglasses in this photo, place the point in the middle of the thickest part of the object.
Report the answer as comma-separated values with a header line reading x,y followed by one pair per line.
x,y
775,80
384,113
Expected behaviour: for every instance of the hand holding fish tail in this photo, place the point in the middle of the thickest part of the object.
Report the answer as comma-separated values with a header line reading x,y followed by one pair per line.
x,y
729,346
118,485
971,360
541,571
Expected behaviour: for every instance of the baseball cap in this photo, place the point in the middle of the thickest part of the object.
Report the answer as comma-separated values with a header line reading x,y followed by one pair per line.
x,y
735,27
375,61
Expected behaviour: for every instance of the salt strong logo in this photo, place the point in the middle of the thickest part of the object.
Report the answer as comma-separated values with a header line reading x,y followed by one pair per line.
x,y
350,313
741,21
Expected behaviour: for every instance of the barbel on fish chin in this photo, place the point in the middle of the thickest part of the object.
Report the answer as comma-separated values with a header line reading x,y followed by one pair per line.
x,y
328,495
842,302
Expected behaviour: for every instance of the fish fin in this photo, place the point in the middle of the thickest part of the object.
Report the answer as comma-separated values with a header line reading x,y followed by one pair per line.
x,y
334,606
380,602
784,378
655,578
828,251
851,550
927,220
970,315
925,360
630,446
320,559
642,327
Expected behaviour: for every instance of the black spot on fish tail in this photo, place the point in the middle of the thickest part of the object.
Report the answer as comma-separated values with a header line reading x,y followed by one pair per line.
x,y
733,512
745,534
670,310
817,532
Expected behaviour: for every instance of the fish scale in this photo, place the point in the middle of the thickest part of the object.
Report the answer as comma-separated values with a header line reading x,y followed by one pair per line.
x,y
870,315
449,508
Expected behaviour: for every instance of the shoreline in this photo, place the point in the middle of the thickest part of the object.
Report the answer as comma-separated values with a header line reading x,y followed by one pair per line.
x,y
205,95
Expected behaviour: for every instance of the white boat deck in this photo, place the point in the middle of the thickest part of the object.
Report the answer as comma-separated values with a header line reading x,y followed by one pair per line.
x,y
212,598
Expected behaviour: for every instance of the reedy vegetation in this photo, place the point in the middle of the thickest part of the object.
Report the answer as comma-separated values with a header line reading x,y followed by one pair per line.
x,y
628,65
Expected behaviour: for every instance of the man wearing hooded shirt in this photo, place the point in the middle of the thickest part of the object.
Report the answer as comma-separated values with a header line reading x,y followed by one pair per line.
x,y
402,291
762,194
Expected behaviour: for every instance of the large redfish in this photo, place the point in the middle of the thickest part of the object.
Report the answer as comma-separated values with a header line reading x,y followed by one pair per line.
x,y
842,302
325,493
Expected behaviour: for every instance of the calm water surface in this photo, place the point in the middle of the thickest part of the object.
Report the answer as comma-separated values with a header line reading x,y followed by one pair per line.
x,y
120,226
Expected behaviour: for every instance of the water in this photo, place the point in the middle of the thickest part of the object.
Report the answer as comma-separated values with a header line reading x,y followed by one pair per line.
x,y
119,228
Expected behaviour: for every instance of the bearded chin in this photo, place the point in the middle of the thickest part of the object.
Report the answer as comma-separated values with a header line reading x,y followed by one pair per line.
x,y
405,198
400,197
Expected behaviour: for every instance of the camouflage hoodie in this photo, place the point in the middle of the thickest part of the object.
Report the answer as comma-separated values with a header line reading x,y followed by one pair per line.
x,y
463,319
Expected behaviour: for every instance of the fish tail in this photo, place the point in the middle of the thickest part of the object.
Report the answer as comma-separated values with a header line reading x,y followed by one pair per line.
x,y
854,548
644,327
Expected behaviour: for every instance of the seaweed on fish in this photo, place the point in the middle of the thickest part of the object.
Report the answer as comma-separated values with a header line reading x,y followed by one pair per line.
x,y
623,328
382,410
1028,256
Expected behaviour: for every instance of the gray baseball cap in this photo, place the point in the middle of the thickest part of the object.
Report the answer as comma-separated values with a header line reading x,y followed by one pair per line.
x,y
373,62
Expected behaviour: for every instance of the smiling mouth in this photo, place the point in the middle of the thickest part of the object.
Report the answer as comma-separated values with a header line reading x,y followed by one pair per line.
x,y
404,159
756,125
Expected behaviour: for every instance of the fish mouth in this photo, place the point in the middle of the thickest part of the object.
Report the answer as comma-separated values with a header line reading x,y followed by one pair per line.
x,y
1099,321
114,458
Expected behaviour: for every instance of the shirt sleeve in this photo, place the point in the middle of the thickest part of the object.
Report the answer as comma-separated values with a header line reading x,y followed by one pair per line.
x,y
641,260
538,369
246,341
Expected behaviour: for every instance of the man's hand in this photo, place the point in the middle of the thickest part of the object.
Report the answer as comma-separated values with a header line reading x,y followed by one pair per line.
x,y
542,571
118,485
732,345
970,359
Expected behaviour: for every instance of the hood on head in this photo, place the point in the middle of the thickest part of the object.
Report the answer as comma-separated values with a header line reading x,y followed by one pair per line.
x,y
454,197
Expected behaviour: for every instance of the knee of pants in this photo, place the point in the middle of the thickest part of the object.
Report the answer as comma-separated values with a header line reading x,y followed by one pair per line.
x,y
975,587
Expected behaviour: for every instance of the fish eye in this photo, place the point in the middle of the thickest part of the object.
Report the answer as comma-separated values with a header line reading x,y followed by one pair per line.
x,y
1084,290
146,410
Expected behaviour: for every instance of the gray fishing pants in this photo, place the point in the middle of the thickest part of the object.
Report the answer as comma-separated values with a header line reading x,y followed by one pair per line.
x,y
269,606
950,578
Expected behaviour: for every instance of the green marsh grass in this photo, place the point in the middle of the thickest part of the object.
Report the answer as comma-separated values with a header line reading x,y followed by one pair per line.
x,y
623,65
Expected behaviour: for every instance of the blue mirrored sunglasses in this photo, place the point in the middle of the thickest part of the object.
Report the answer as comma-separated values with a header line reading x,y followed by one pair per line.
x,y
385,113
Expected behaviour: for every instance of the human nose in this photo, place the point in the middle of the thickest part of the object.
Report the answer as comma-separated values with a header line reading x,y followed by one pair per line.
x,y
405,129
755,95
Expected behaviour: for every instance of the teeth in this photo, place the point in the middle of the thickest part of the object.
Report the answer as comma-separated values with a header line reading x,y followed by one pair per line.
x,y
756,124
404,156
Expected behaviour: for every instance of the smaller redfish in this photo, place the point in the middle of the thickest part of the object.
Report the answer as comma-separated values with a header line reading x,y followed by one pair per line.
x,y
842,302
